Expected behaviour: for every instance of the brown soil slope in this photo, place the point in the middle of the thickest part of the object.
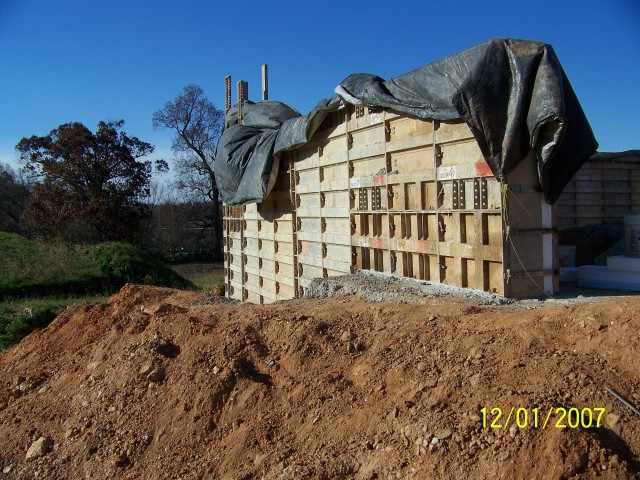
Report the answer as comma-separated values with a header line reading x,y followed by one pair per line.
x,y
161,384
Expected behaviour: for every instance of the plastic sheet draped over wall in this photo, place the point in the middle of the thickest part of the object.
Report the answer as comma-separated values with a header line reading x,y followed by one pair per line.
x,y
513,94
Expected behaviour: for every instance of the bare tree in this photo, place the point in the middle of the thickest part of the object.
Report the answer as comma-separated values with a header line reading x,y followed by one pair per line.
x,y
158,191
197,126
14,194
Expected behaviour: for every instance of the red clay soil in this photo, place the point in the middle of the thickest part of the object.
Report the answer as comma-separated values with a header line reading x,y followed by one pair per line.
x,y
162,384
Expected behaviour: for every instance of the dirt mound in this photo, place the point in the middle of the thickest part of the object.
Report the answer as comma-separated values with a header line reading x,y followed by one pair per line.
x,y
160,383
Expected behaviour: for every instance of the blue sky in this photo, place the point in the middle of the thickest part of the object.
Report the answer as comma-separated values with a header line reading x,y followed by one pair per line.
x,y
72,60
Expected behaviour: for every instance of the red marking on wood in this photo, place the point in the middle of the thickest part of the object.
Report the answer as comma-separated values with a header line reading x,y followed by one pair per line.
x,y
378,179
422,246
375,242
483,169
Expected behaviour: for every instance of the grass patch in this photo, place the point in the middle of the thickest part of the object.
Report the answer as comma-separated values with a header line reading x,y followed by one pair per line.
x,y
35,268
19,317
40,279
39,268
202,275
123,263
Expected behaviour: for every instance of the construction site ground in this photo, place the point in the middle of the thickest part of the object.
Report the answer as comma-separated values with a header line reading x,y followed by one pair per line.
x,y
371,378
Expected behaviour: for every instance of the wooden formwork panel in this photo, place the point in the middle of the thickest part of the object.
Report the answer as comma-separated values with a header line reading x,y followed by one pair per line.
x,y
428,215
619,197
267,267
453,132
601,191
233,229
416,159
334,177
283,229
285,274
334,201
400,127
531,261
259,241
307,159
322,200
308,271
307,204
436,212
362,167
357,120
252,263
410,197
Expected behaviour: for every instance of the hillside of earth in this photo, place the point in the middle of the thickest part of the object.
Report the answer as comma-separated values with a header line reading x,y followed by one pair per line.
x,y
163,383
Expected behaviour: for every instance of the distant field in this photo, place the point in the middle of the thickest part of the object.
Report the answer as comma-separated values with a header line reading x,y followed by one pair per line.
x,y
202,275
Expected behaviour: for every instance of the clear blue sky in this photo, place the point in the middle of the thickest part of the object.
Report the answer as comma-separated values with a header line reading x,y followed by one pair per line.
x,y
90,60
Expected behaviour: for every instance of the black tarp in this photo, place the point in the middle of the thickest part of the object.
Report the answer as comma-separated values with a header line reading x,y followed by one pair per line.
x,y
513,94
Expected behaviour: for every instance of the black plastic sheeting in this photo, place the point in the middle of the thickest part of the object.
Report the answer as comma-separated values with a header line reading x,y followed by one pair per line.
x,y
513,94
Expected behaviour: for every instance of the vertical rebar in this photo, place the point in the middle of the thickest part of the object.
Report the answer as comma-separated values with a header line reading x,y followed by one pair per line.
x,y
243,95
227,93
265,82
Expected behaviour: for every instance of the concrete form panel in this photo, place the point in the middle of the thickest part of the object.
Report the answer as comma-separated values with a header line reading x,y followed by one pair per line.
x,y
395,194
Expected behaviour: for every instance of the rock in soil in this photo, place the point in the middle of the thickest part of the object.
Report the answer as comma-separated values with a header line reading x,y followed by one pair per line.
x,y
39,448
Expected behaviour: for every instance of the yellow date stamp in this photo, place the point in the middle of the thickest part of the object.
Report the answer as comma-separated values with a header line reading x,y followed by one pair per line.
x,y
553,417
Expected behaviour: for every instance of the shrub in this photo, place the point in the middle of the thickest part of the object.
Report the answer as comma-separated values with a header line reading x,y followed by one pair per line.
x,y
122,263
